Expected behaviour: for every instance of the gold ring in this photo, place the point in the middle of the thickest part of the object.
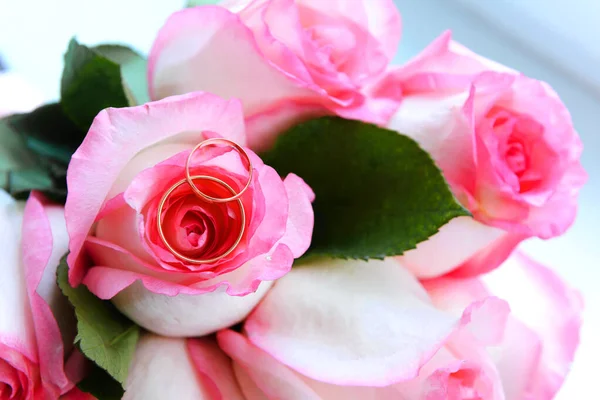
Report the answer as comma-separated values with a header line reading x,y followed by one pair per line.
x,y
162,205
210,142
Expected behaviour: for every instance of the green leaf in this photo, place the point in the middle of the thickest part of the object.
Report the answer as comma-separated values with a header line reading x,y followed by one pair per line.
x,y
90,83
35,149
377,192
48,132
101,385
194,3
104,335
133,69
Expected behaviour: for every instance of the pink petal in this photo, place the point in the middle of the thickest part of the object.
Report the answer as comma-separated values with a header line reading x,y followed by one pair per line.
x,y
444,66
349,322
299,228
40,254
542,332
385,24
17,330
200,49
214,368
264,127
163,369
118,146
549,308
262,377
517,359
261,372
463,367
186,315
463,247
443,126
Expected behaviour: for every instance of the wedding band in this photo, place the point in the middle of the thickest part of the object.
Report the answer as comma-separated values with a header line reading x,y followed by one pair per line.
x,y
242,154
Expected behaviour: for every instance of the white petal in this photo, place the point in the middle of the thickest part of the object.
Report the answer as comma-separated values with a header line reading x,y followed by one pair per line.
x,y
186,315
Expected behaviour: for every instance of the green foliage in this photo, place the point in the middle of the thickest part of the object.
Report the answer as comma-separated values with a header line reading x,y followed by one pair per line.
x,y
101,385
35,150
377,192
90,83
104,335
133,71
36,147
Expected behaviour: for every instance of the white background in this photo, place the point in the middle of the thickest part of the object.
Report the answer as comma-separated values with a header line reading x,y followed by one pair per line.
x,y
553,40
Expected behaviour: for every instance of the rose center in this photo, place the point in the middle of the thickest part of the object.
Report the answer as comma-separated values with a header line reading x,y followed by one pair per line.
x,y
195,230
193,234
463,384
515,158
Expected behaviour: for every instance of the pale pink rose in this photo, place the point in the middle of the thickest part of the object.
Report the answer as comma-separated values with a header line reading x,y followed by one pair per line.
x,y
17,95
542,331
506,145
285,59
353,330
182,369
128,160
34,316
382,340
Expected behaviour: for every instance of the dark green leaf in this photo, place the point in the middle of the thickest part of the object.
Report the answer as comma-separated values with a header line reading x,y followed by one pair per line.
x,y
377,192
101,385
133,70
104,335
90,83
48,132
35,149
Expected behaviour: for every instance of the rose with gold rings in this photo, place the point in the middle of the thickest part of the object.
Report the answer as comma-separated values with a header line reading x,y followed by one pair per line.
x,y
189,179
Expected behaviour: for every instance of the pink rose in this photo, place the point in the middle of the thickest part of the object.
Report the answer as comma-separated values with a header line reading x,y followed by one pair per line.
x,y
285,59
542,331
506,145
369,341
32,353
129,159
17,95
182,369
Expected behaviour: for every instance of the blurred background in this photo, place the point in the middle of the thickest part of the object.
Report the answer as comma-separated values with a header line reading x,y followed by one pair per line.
x,y
552,40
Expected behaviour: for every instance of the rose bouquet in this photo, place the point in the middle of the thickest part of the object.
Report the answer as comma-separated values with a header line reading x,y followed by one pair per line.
x,y
265,208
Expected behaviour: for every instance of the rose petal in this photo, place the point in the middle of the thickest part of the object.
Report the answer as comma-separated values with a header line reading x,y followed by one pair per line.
x,y
542,332
115,142
197,49
163,369
349,322
214,368
43,245
17,330
262,377
552,310
463,247
186,315
300,222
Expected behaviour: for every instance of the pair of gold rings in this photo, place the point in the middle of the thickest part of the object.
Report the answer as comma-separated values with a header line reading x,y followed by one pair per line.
x,y
189,180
